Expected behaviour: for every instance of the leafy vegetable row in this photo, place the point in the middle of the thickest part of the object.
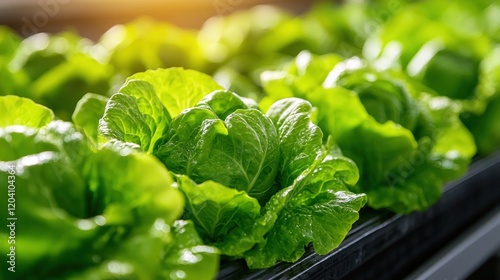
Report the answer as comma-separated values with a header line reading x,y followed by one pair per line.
x,y
251,182
174,169
256,186
451,48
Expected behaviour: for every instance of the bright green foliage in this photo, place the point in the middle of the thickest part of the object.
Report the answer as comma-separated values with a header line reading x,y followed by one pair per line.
x,y
253,181
9,42
305,72
23,111
406,142
433,51
178,89
135,114
484,126
232,160
87,113
187,257
224,217
449,47
56,71
145,44
320,200
300,139
95,213
240,151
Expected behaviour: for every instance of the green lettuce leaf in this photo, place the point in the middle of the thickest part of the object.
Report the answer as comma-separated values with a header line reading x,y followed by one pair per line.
x,y
403,140
223,216
154,198
240,151
221,137
187,257
320,201
485,129
300,139
96,214
87,113
227,156
424,41
183,256
124,257
52,188
12,83
314,177
22,111
328,217
226,37
9,42
304,73
141,111
415,152
149,44
482,124
178,89
58,70
135,115
231,220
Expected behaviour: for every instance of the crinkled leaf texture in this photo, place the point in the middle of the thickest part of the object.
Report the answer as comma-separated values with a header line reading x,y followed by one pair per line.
x,y
142,109
318,199
315,181
223,217
135,114
300,139
224,141
320,202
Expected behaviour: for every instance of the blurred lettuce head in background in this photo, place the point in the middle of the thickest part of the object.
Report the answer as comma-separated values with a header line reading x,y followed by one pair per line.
x,y
56,71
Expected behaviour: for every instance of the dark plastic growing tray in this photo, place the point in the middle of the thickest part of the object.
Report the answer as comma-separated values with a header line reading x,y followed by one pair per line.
x,y
383,245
